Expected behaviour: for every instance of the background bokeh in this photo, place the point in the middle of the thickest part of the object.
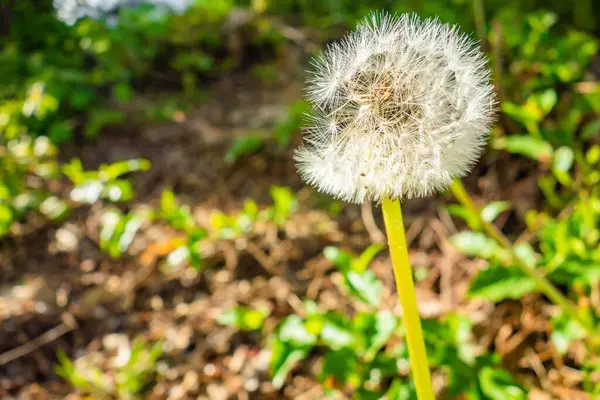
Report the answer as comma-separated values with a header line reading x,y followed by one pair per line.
x,y
157,242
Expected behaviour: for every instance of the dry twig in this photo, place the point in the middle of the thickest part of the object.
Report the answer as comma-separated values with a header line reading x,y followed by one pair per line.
x,y
39,341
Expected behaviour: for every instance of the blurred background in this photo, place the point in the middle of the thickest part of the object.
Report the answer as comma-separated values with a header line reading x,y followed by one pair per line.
x,y
156,241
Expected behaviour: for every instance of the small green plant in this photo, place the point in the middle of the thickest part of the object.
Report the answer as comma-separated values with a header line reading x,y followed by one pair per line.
x,y
357,280
232,226
27,165
106,183
290,123
180,218
591,369
282,133
244,318
366,355
284,205
243,146
125,377
118,230
559,123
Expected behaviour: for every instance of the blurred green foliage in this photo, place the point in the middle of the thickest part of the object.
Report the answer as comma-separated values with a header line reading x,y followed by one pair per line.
x,y
125,377
282,133
231,226
118,231
243,318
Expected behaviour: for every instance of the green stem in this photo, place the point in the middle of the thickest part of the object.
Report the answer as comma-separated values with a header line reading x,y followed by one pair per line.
x,y
479,14
543,284
392,216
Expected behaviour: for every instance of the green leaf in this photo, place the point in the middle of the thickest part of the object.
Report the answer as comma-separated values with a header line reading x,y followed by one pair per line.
x,y
547,184
168,201
284,357
342,365
565,331
81,97
534,110
341,259
284,203
572,271
133,222
67,370
591,130
119,190
497,282
528,146
118,231
399,390
365,286
195,254
563,159
383,328
88,192
311,308
467,215
526,253
593,99
492,210
593,155
521,113
478,245
250,208
74,171
244,318
439,340
335,335
385,365
285,129
180,216
110,223
293,331
545,101
291,343
361,263
101,117
6,214
60,132
52,207
115,170
122,92
498,384
242,146
461,328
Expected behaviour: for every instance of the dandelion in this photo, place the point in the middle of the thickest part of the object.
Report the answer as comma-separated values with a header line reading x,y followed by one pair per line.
x,y
402,106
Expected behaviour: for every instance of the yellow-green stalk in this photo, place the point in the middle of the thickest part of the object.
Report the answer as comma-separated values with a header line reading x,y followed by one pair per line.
x,y
394,225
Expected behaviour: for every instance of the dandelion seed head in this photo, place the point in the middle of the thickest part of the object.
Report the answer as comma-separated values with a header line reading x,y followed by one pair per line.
x,y
401,106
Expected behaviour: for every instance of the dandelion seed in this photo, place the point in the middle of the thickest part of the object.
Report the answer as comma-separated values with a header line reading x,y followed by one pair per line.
x,y
401,107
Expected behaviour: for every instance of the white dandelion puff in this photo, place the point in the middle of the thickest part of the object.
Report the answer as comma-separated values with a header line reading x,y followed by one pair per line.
x,y
401,107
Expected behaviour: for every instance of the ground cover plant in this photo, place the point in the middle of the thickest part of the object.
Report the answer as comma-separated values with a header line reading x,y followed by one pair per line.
x,y
156,240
